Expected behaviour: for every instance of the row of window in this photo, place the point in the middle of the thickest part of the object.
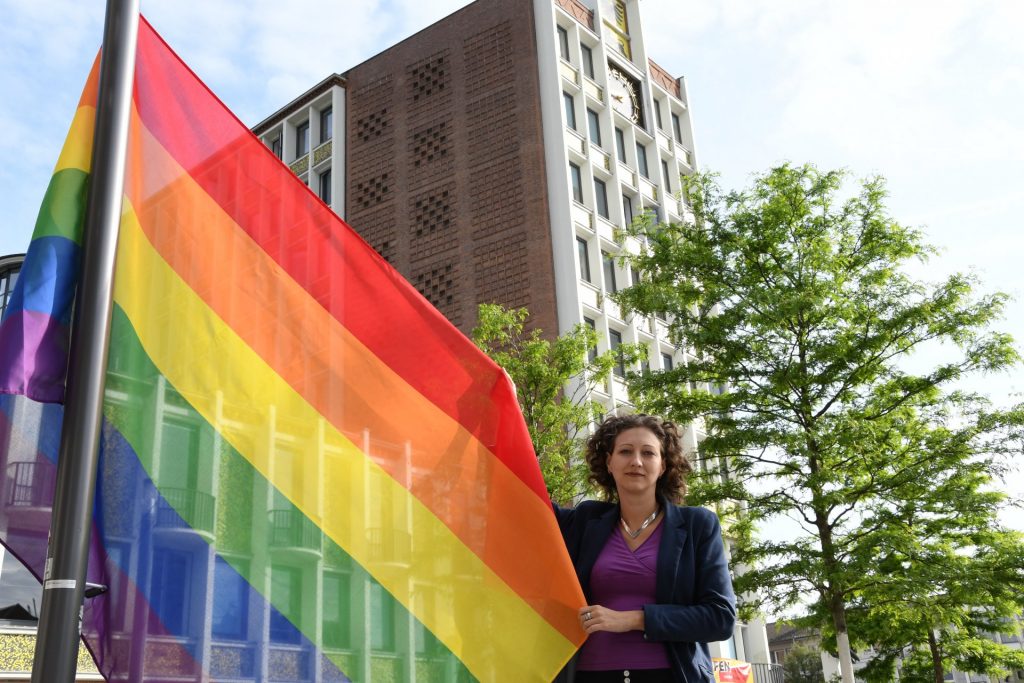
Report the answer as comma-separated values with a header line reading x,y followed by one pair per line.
x,y
587,64
302,135
601,196
594,130
614,344
230,614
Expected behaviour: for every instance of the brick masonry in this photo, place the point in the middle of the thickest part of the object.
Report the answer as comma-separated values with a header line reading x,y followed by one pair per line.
x,y
445,173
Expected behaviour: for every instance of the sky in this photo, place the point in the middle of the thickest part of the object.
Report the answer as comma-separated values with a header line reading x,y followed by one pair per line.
x,y
928,93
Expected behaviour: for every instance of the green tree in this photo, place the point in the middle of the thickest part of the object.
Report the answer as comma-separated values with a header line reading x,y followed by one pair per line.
x,y
803,665
800,305
945,576
554,383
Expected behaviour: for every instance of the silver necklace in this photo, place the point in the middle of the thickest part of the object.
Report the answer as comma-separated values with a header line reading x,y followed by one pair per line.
x,y
646,523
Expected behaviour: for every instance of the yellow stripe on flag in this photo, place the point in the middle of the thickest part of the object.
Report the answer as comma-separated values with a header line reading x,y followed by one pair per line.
x,y
77,150
363,509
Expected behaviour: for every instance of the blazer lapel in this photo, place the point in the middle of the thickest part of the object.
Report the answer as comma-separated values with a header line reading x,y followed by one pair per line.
x,y
594,537
669,554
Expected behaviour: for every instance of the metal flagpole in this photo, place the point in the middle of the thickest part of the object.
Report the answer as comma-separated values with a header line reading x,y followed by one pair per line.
x,y
67,554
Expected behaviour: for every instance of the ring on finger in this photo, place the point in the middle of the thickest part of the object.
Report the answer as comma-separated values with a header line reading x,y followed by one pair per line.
x,y
588,616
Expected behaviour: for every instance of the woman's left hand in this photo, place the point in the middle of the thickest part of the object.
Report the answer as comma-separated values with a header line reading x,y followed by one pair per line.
x,y
597,618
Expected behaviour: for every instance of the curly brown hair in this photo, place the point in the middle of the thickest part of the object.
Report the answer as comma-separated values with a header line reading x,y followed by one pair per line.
x,y
672,484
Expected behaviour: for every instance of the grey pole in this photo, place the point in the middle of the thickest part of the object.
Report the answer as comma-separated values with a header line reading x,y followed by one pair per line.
x,y
67,554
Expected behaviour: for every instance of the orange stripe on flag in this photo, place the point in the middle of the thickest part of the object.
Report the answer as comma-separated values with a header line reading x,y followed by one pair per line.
x,y
485,504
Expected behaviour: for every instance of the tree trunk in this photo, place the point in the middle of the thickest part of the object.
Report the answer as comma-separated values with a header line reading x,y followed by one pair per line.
x,y
845,657
933,647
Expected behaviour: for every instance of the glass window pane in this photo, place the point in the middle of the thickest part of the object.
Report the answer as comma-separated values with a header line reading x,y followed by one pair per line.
x,y
601,198
577,182
588,61
584,258
570,110
615,342
325,186
563,43
286,595
676,130
641,160
595,127
664,172
592,353
326,125
230,602
302,139
620,144
609,272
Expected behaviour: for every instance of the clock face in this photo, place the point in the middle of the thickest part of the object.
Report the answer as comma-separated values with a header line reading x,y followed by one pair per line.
x,y
623,95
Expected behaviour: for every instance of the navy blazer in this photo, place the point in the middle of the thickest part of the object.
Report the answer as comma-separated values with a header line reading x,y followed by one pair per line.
x,y
694,601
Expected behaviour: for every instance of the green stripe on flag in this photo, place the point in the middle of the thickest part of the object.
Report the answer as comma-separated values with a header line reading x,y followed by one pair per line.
x,y
62,213
244,503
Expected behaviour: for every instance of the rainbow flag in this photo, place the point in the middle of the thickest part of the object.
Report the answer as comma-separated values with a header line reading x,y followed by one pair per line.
x,y
307,473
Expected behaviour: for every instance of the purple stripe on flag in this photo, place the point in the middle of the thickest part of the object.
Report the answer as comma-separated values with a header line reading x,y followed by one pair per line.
x,y
33,356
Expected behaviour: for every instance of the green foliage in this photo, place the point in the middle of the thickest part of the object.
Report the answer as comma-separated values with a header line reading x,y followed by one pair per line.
x,y
554,381
803,665
800,304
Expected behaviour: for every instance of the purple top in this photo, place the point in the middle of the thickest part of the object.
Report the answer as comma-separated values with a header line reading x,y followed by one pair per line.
x,y
624,580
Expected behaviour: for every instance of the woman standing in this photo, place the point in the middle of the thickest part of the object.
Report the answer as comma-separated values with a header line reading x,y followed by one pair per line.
x,y
654,573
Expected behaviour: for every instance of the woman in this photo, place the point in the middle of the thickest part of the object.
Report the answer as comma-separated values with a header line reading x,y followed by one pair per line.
x,y
654,573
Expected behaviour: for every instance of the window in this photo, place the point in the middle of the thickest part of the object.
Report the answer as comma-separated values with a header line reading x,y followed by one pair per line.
x,y
641,160
286,596
608,261
666,361
336,610
664,172
615,341
577,182
595,127
230,602
178,470
302,139
588,61
583,253
657,113
563,43
592,353
634,276
326,124
325,186
570,110
620,144
676,129
601,198
169,590
8,278
276,147
382,626
627,209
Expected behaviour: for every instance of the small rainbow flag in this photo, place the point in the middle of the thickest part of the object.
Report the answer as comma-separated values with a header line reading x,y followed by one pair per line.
x,y
306,472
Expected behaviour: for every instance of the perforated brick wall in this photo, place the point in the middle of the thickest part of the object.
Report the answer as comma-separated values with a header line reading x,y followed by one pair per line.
x,y
371,169
451,116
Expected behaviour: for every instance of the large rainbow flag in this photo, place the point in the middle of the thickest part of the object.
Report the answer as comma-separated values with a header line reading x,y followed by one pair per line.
x,y
307,474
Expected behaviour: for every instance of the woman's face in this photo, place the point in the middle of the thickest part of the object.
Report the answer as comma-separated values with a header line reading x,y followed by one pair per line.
x,y
636,462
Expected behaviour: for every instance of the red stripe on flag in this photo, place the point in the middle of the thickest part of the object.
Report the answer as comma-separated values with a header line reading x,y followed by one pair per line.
x,y
327,258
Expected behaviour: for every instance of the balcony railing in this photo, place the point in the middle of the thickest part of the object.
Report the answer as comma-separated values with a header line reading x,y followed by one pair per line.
x,y
291,529
179,505
768,673
31,484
